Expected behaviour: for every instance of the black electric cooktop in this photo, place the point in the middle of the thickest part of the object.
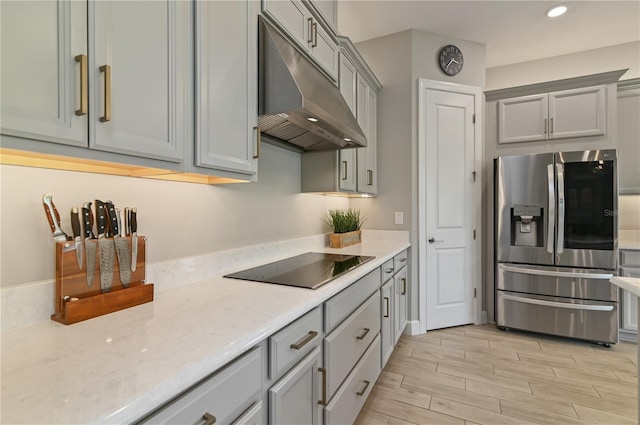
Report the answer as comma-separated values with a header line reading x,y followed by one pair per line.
x,y
310,270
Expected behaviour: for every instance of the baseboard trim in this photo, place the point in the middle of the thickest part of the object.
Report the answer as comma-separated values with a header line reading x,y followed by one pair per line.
x,y
412,328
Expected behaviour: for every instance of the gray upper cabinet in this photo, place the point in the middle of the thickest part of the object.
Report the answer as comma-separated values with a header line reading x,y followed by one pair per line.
x,y
562,114
226,86
43,67
328,10
629,136
297,20
138,77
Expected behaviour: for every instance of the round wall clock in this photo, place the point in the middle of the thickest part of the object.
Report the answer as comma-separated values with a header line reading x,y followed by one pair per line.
x,y
451,59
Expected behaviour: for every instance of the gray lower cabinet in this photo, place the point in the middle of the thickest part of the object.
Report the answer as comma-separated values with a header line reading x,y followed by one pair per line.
x,y
386,321
400,303
294,398
629,267
232,395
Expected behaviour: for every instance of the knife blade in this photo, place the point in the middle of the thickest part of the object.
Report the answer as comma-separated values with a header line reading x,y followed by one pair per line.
x,y
54,218
105,248
133,226
90,242
77,234
122,250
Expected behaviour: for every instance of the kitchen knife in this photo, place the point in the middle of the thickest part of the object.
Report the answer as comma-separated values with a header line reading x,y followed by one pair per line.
x,y
90,242
122,251
105,248
54,218
133,226
77,234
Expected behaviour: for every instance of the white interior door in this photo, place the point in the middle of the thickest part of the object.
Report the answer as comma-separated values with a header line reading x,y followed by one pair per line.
x,y
449,207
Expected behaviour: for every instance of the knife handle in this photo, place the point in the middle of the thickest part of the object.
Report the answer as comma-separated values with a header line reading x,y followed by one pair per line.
x,y
75,222
87,221
113,219
101,218
133,220
127,217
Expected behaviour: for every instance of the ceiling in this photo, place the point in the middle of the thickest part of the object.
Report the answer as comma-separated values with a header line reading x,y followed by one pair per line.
x,y
513,31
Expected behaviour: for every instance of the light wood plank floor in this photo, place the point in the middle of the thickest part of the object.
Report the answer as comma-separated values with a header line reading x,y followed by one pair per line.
x,y
481,375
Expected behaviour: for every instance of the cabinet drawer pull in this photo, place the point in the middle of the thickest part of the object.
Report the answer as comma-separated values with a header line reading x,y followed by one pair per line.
x,y
84,93
315,35
323,371
545,126
387,301
369,177
258,142
344,168
402,260
208,418
404,286
362,391
388,271
310,29
366,331
107,93
551,126
305,341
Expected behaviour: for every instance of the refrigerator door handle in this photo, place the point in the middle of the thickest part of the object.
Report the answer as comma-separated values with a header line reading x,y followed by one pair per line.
x,y
560,244
558,304
553,273
551,210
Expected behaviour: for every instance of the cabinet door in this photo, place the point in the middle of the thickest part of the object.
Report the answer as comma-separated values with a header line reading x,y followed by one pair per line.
x,y
292,17
139,72
348,171
324,49
629,302
523,119
577,113
294,399
226,85
328,9
628,140
41,80
386,330
348,81
400,304
368,157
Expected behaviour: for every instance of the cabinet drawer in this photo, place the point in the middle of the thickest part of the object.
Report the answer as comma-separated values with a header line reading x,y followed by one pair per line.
x,y
226,395
340,306
630,258
253,416
400,260
346,405
387,270
291,344
344,346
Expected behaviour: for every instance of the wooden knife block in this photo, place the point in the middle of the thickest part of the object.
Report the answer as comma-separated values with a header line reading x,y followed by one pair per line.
x,y
74,300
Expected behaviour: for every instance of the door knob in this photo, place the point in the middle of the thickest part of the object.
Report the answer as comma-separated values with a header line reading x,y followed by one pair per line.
x,y
432,240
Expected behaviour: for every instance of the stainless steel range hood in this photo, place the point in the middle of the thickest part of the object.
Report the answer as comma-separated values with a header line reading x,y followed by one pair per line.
x,y
297,104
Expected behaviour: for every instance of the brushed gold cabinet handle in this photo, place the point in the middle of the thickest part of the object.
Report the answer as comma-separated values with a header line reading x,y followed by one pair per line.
x,y
361,337
258,142
402,260
551,127
369,177
107,93
305,341
208,418
404,286
387,300
545,126
315,34
344,168
388,270
84,93
362,391
310,29
323,371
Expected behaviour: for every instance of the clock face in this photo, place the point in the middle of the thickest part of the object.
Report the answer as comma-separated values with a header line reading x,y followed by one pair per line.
x,y
451,59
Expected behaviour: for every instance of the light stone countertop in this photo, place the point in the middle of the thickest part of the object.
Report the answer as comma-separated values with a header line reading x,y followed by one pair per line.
x,y
118,367
631,284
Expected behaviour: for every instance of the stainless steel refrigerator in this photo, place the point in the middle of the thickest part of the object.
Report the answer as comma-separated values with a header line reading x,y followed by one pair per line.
x,y
556,242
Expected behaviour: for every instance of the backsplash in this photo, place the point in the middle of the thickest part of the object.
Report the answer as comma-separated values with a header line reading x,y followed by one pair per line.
x,y
629,212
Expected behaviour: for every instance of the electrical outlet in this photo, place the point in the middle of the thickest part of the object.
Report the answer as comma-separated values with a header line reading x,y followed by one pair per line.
x,y
399,217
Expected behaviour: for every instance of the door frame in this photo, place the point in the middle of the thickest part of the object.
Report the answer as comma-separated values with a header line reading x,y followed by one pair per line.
x,y
476,92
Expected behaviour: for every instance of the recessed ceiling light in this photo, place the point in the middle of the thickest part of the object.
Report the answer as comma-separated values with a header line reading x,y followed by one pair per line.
x,y
556,11
312,119
346,139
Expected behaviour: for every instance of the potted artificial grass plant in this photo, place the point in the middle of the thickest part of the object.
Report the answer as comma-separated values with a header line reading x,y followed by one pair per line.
x,y
346,226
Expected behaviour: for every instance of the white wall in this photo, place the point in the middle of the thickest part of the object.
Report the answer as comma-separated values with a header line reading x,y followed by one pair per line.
x,y
179,219
567,66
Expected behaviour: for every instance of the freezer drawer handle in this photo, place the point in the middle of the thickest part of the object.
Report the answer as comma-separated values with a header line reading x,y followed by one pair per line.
x,y
551,211
558,304
604,276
